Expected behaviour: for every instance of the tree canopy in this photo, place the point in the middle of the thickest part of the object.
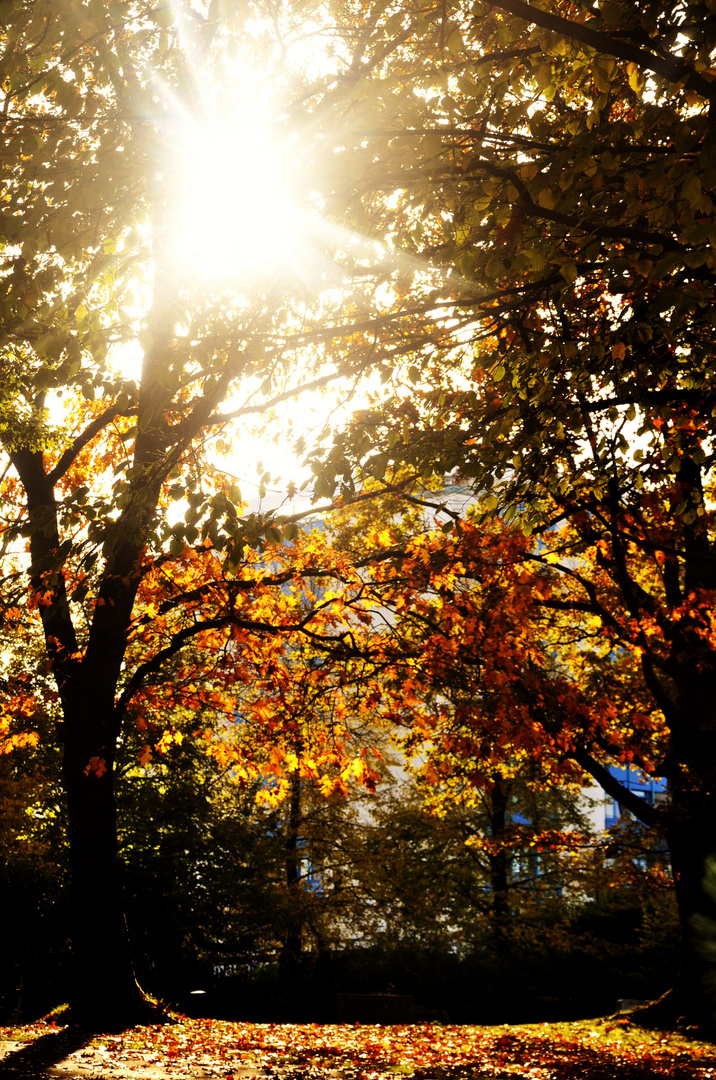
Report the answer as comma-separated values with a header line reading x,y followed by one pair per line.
x,y
557,162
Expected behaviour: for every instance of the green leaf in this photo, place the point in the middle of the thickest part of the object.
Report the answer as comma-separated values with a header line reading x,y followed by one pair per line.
x,y
274,536
601,79
543,76
569,272
691,190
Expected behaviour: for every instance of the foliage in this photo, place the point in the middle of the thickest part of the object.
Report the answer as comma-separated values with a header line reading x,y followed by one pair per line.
x,y
198,871
557,162
34,875
431,878
489,666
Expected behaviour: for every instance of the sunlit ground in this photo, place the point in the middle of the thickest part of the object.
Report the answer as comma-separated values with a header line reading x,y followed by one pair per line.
x,y
609,1049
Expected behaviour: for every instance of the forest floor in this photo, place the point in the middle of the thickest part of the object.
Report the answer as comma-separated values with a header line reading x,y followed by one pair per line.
x,y
610,1049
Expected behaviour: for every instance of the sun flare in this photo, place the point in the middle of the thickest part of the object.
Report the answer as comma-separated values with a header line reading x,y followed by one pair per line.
x,y
235,215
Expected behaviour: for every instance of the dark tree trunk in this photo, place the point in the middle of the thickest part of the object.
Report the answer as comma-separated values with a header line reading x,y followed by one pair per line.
x,y
292,950
691,836
499,869
104,986
104,989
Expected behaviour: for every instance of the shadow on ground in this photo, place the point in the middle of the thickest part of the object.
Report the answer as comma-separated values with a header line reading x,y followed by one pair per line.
x,y
36,1058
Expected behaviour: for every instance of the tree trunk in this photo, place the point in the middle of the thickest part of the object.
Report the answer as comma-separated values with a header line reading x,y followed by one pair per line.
x,y
499,869
292,950
691,835
104,990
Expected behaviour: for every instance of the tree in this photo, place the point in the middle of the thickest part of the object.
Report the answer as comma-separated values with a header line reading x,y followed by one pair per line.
x,y
557,161
506,690
97,100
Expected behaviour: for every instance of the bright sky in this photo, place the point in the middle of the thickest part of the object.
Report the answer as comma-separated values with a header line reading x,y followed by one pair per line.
x,y
241,215
239,220
235,219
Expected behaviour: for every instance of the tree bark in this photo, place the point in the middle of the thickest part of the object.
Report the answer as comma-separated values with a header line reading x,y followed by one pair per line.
x,y
104,989
499,869
691,836
292,949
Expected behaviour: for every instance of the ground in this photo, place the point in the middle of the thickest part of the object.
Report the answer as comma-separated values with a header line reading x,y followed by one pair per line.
x,y
611,1049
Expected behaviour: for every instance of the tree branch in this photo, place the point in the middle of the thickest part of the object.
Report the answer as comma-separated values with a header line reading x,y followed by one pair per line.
x,y
672,69
71,453
47,556
649,397
640,808
590,228
286,395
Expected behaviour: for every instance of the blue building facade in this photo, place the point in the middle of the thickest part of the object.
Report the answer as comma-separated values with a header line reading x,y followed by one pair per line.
x,y
651,790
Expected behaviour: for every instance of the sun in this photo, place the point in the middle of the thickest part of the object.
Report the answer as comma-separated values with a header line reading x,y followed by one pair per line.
x,y
244,172
232,177
235,213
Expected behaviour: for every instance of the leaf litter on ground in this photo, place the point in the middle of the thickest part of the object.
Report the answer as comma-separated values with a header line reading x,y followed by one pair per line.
x,y
608,1049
